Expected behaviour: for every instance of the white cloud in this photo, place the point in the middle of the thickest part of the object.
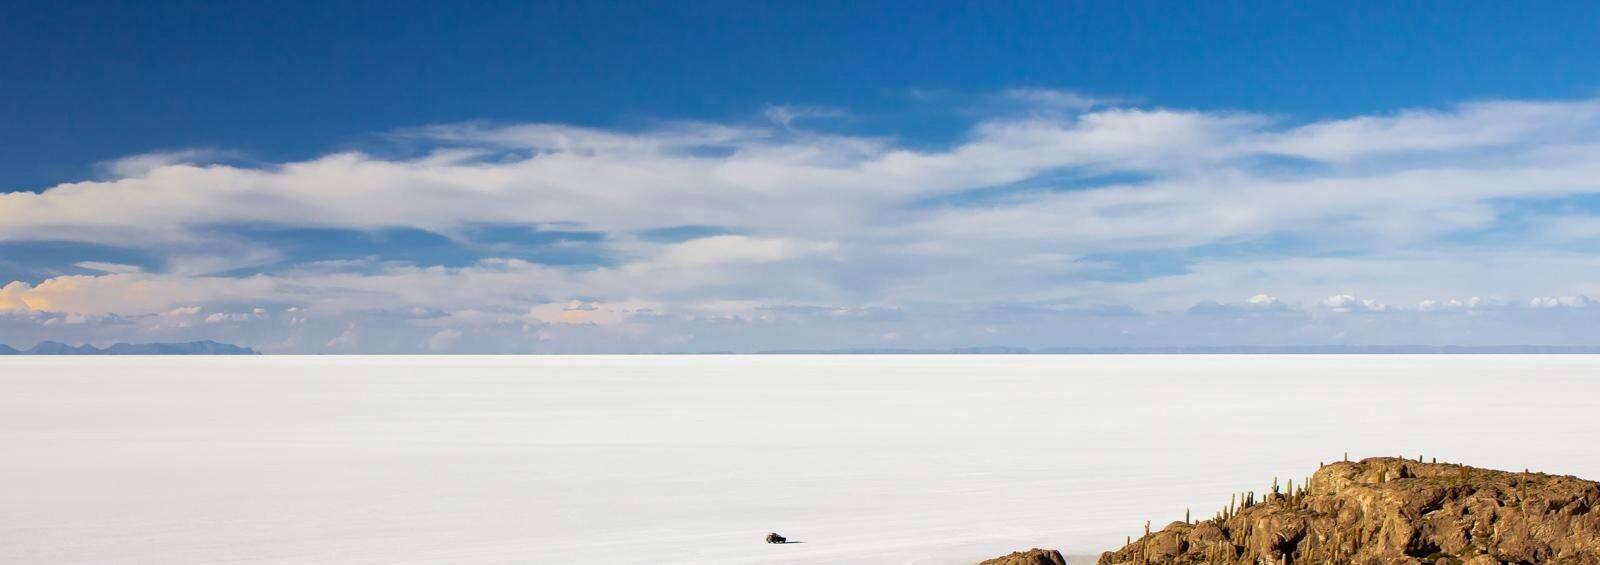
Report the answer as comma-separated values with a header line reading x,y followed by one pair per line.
x,y
140,165
1264,302
1578,301
107,267
1349,303
1469,126
226,317
1056,99
740,249
580,312
1429,304
13,296
1003,216
787,116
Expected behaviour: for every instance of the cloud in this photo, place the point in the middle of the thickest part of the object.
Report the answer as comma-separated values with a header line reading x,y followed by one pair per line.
x,y
1348,303
1077,208
1579,301
347,340
231,317
12,296
1429,304
444,339
1055,99
787,116
1265,302
143,164
135,293
580,312
1466,127
740,249
107,267
1261,303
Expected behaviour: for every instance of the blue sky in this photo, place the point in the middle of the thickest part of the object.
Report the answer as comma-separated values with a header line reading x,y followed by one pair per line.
x,y
505,177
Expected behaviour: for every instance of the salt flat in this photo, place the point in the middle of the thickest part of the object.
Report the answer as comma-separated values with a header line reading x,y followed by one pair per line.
x,y
648,459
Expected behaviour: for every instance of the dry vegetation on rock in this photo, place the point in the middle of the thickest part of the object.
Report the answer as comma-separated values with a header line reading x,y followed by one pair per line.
x,y
1030,557
1382,510
1391,510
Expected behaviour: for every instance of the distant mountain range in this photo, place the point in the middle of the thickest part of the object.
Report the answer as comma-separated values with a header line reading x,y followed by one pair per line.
x,y
207,347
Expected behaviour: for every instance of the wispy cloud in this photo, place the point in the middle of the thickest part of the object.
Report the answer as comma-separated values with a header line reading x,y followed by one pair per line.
x,y
1365,214
142,164
1056,99
789,116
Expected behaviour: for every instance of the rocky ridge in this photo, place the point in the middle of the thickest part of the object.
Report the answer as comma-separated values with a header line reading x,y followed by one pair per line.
x,y
1034,556
1391,510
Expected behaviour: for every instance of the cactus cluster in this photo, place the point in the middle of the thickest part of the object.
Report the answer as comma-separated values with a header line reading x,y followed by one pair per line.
x,y
1300,527
1286,495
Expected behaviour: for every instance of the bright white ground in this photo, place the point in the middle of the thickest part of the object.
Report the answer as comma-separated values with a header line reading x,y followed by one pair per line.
x,y
874,459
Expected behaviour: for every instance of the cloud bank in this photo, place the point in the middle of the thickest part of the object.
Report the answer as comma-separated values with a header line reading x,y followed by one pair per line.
x,y
1056,219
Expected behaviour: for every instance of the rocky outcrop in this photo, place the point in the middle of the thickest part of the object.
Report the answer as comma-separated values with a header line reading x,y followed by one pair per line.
x,y
1029,557
1391,510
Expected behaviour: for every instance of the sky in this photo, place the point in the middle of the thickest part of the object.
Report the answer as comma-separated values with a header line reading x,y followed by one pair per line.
x,y
418,177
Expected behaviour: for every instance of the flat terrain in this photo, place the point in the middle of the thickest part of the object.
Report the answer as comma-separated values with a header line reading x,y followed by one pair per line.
x,y
643,459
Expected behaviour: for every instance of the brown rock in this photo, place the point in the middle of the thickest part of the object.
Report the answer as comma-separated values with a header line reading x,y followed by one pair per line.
x,y
1390,510
1030,557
